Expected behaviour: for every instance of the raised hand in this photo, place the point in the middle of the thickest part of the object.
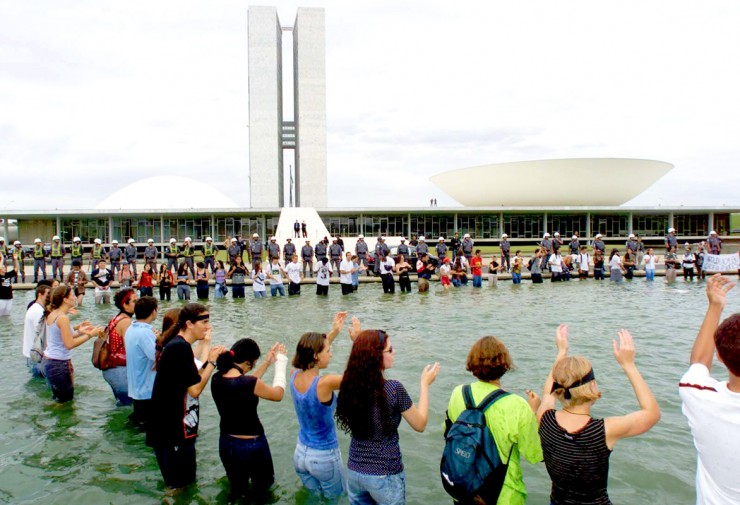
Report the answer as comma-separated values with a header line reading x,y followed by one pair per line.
x,y
533,399
625,351
561,339
717,288
277,348
339,320
215,352
354,332
430,373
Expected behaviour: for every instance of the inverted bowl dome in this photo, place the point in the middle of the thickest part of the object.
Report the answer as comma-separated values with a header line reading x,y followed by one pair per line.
x,y
541,183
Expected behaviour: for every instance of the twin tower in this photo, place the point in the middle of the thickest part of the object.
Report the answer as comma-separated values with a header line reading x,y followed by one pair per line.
x,y
269,133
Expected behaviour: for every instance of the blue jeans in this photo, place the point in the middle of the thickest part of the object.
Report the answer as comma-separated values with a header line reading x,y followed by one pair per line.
x,y
366,489
59,375
237,291
247,460
183,292
275,288
320,470
220,290
260,294
118,382
650,274
36,369
477,281
516,278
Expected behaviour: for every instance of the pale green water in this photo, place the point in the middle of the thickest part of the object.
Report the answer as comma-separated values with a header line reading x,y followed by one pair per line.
x,y
84,452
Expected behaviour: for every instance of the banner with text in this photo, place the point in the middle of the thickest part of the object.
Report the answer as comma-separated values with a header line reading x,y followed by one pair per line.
x,y
721,262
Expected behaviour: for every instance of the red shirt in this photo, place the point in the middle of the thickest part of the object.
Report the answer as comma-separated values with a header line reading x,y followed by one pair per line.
x,y
145,281
476,265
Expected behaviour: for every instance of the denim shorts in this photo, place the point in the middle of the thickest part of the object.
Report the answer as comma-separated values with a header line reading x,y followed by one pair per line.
x,y
320,470
366,489
118,382
59,375
248,464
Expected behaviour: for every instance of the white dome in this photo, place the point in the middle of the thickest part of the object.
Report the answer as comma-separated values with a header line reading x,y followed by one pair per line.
x,y
167,192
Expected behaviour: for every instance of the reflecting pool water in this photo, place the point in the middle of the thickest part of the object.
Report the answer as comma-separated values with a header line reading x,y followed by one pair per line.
x,y
85,453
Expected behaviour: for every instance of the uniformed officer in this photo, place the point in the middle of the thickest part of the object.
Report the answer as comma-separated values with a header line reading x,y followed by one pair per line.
x,y
187,252
39,259
255,250
151,254
505,247
467,247
320,250
97,253
441,249
18,255
115,255
76,250
131,254
361,250
288,249
422,247
403,248
273,249
209,254
57,258
307,257
335,254
233,251
171,252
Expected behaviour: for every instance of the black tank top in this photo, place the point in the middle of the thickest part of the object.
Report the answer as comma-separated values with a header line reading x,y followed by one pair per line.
x,y
578,463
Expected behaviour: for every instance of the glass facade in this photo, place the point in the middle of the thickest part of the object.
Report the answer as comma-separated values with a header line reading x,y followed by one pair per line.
x,y
691,225
523,225
271,224
237,227
650,225
433,225
87,229
346,226
567,224
140,229
197,228
478,225
374,226
722,224
609,225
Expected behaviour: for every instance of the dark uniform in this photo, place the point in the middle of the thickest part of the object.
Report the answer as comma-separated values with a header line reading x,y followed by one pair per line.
x,y
361,251
288,250
150,256
131,254
320,251
255,251
335,255
505,246
187,253
115,255
307,257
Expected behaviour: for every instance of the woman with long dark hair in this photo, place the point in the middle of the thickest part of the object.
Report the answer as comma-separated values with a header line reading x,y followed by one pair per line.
x,y
317,459
177,386
370,409
165,281
116,375
183,279
616,270
61,338
242,445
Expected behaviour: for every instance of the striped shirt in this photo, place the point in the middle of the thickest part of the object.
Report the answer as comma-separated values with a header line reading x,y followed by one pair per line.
x,y
578,463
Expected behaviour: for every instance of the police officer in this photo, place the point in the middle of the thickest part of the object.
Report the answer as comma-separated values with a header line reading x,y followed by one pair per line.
x,y
307,257
320,250
97,253
381,251
361,250
39,259
546,244
209,254
171,252
505,247
76,250
632,245
599,245
187,252
115,255
422,247
455,245
335,254
467,247
57,258
671,240
233,251
4,251
403,248
288,249
273,249
150,254
715,243
441,249
131,253
255,250
18,255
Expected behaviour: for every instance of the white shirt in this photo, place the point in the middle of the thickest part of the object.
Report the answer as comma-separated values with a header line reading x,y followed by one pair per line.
x,y
584,260
294,272
323,272
346,266
33,316
713,412
615,262
275,273
444,270
649,261
386,267
556,263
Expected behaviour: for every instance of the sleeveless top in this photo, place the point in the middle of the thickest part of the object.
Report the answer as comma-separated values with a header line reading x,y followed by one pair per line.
x,y
201,279
578,463
182,280
315,419
55,348
116,346
220,276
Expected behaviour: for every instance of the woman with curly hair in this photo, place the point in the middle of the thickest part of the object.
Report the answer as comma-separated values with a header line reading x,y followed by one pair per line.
x,y
370,409
511,419
317,459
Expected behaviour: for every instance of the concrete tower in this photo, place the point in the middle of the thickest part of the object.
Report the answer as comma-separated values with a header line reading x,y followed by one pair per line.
x,y
269,132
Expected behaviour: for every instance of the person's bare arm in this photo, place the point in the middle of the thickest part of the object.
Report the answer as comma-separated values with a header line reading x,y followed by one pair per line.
x,y
548,399
336,327
703,350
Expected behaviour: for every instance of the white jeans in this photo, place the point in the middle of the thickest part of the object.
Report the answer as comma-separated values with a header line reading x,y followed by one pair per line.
x,y
5,306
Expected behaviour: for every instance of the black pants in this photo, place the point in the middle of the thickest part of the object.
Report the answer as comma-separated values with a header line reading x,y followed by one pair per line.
x,y
405,282
536,278
294,289
177,463
141,414
346,289
165,293
322,290
389,286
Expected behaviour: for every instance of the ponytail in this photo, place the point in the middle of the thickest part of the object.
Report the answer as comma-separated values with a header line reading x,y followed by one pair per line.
x,y
55,297
243,350
189,312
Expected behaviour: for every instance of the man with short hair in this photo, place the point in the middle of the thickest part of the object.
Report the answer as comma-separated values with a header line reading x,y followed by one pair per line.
x,y
31,326
140,341
335,253
297,229
293,271
455,245
320,251
307,258
345,274
712,407
288,249
381,251
101,277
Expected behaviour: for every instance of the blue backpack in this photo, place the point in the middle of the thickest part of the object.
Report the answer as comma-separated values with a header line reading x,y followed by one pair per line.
x,y
471,464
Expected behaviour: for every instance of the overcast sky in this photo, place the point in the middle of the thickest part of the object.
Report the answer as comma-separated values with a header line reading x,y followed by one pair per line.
x,y
97,94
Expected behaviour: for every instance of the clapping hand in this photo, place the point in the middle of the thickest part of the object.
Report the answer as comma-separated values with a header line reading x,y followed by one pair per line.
x,y
215,352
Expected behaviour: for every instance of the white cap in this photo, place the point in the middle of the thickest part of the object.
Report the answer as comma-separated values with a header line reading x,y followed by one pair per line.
x,y
598,235
188,239
256,235
574,237
557,234
173,241
16,242
233,240
671,230
712,232
37,240
98,241
76,239
150,241
441,239
362,237
55,237
114,241
209,239
422,239
632,235
131,241
273,238
467,235
504,235
403,239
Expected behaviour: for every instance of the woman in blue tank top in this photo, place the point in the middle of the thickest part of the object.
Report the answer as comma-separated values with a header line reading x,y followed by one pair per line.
x,y
317,459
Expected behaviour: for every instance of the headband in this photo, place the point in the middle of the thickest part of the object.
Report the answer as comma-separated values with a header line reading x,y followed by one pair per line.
x,y
580,382
201,317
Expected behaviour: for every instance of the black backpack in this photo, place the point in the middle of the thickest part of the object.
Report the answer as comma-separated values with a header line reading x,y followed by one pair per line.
x,y
471,464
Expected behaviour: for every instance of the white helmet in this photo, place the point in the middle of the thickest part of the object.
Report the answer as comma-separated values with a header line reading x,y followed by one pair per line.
x,y
55,237
76,239
557,233
671,230
381,238
422,239
17,242
504,235
131,241
98,241
362,237
598,235
632,235
37,240
441,239
2,239
467,235
273,238
233,240
150,241
173,241
114,242
188,239
209,239
712,232
546,235
574,237
256,235
403,239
